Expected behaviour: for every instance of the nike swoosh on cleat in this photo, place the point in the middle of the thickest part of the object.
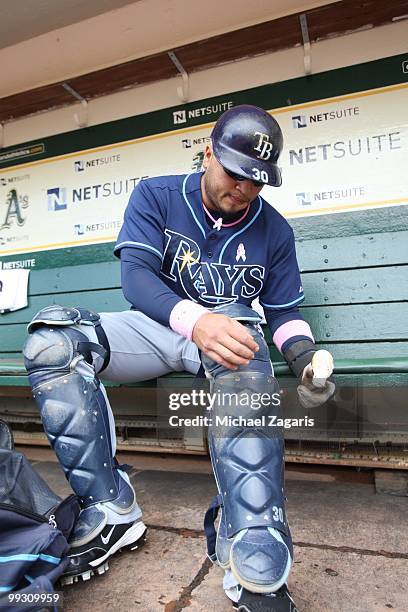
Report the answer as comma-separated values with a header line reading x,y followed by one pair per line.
x,y
108,537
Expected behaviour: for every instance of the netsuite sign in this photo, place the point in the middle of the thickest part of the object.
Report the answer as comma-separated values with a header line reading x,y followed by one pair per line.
x,y
368,145
183,115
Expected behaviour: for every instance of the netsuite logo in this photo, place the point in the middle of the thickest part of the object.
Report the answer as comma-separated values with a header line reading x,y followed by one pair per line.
x,y
57,198
5,181
80,165
306,198
187,143
302,121
90,228
79,229
299,121
179,116
303,198
182,115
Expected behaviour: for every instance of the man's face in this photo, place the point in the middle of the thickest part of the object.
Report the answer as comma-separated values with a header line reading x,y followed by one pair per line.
x,y
222,193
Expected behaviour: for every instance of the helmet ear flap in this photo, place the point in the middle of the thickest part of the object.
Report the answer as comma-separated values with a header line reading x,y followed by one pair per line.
x,y
248,141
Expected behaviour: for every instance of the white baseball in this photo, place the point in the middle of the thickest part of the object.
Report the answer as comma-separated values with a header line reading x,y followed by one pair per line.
x,y
322,366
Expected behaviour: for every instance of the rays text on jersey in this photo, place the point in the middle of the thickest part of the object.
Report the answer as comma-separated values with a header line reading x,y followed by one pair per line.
x,y
209,282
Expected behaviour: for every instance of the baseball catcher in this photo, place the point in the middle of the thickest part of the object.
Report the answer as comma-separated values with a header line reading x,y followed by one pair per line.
x,y
195,251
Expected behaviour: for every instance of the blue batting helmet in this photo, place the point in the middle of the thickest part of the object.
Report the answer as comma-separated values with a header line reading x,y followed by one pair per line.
x,y
247,141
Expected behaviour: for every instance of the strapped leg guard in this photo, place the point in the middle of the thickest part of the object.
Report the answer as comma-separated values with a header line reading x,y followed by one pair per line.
x,y
247,456
77,419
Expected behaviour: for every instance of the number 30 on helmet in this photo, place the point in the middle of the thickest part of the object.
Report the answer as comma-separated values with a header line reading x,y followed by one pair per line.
x,y
247,141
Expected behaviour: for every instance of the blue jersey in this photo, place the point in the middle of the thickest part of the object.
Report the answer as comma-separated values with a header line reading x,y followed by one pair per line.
x,y
254,258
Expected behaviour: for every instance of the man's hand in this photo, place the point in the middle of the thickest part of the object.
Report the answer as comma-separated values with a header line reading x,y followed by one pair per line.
x,y
224,340
314,389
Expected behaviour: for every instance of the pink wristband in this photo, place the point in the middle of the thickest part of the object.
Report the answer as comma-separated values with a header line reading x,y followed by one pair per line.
x,y
184,316
290,329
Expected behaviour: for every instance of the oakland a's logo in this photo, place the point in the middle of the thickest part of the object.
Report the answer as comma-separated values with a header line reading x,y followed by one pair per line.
x,y
14,205
214,283
198,161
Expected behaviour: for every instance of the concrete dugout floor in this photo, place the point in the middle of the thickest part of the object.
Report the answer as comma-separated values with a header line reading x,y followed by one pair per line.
x,y
351,544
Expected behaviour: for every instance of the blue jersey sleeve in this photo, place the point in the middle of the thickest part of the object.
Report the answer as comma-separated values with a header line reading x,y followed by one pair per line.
x,y
142,286
283,287
144,222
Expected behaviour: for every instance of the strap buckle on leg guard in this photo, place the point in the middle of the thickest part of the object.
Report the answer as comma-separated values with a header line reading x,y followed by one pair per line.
x,y
209,526
61,316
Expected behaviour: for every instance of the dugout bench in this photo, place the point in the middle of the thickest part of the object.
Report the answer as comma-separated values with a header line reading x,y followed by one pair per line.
x,y
356,303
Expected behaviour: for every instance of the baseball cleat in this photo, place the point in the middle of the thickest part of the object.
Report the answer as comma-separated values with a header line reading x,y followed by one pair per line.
x,y
281,601
92,558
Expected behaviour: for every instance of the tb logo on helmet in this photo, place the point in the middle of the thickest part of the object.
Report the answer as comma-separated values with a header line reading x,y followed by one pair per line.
x,y
264,146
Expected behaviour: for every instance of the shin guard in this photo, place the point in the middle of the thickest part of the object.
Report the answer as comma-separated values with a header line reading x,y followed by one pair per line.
x,y
247,454
76,416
